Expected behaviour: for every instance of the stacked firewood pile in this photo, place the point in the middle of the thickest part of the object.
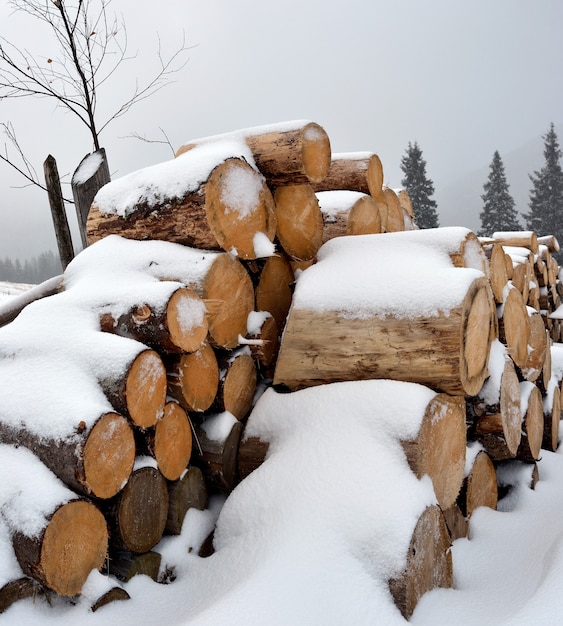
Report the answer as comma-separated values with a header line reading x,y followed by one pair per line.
x,y
204,317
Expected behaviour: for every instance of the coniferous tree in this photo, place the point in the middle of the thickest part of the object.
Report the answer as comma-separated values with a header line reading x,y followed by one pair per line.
x,y
419,187
499,212
546,196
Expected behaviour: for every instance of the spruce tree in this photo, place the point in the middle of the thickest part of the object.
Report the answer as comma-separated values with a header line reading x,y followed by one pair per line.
x,y
419,187
499,212
546,196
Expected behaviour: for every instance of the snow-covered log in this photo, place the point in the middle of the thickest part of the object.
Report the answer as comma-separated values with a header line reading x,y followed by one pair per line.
x,y
382,306
349,213
354,171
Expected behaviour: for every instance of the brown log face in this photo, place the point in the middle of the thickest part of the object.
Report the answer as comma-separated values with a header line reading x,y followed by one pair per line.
x,y
186,320
395,219
457,525
533,427
266,353
364,218
173,442
190,491
274,289
75,542
300,221
238,205
108,455
537,349
511,413
516,327
429,562
477,337
497,272
228,282
552,420
143,509
194,379
145,389
239,386
481,485
442,445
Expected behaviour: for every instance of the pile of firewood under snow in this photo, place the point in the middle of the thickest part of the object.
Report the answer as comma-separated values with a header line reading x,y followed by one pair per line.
x,y
154,353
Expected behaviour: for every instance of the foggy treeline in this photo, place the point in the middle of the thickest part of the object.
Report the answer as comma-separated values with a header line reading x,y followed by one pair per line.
x,y
32,271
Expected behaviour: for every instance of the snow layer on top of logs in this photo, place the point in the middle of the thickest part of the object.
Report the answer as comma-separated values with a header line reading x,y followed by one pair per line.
x,y
390,306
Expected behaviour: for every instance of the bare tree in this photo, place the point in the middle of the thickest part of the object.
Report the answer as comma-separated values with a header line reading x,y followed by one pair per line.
x,y
92,46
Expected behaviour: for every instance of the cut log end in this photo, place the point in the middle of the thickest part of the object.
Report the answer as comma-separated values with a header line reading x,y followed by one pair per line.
x,y
75,543
240,385
186,320
173,442
315,152
146,389
481,487
238,206
109,454
429,562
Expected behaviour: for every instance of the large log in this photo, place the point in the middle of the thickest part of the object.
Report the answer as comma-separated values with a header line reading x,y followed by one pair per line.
x,y
354,171
179,324
395,217
336,332
57,538
294,153
299,221
199,200
429,562
95,460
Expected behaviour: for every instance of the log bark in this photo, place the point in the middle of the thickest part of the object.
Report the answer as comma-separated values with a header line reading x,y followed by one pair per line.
x,y
265,345
125,564
550,242
216,455
354,171
348,213
115,594
448,353
188,492
479,487
180,325
226,212
140,391
137,516
193,379
439,448
299,221
94,461
169,442
429,562
18,589
456,523
251,454
237,384
532,423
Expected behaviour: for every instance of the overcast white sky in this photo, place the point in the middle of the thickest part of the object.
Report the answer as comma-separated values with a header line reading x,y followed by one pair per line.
x,y
463,79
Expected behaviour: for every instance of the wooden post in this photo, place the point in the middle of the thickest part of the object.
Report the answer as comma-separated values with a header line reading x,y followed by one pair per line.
x,y
62,230
90,176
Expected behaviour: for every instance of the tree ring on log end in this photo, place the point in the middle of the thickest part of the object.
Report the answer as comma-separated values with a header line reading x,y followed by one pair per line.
x,y
238,206
173,442
186,320
109,454
476,329
75,542
145,389
316,152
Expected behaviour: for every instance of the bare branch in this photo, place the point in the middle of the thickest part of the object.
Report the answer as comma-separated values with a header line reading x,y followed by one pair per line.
x,y
166,141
